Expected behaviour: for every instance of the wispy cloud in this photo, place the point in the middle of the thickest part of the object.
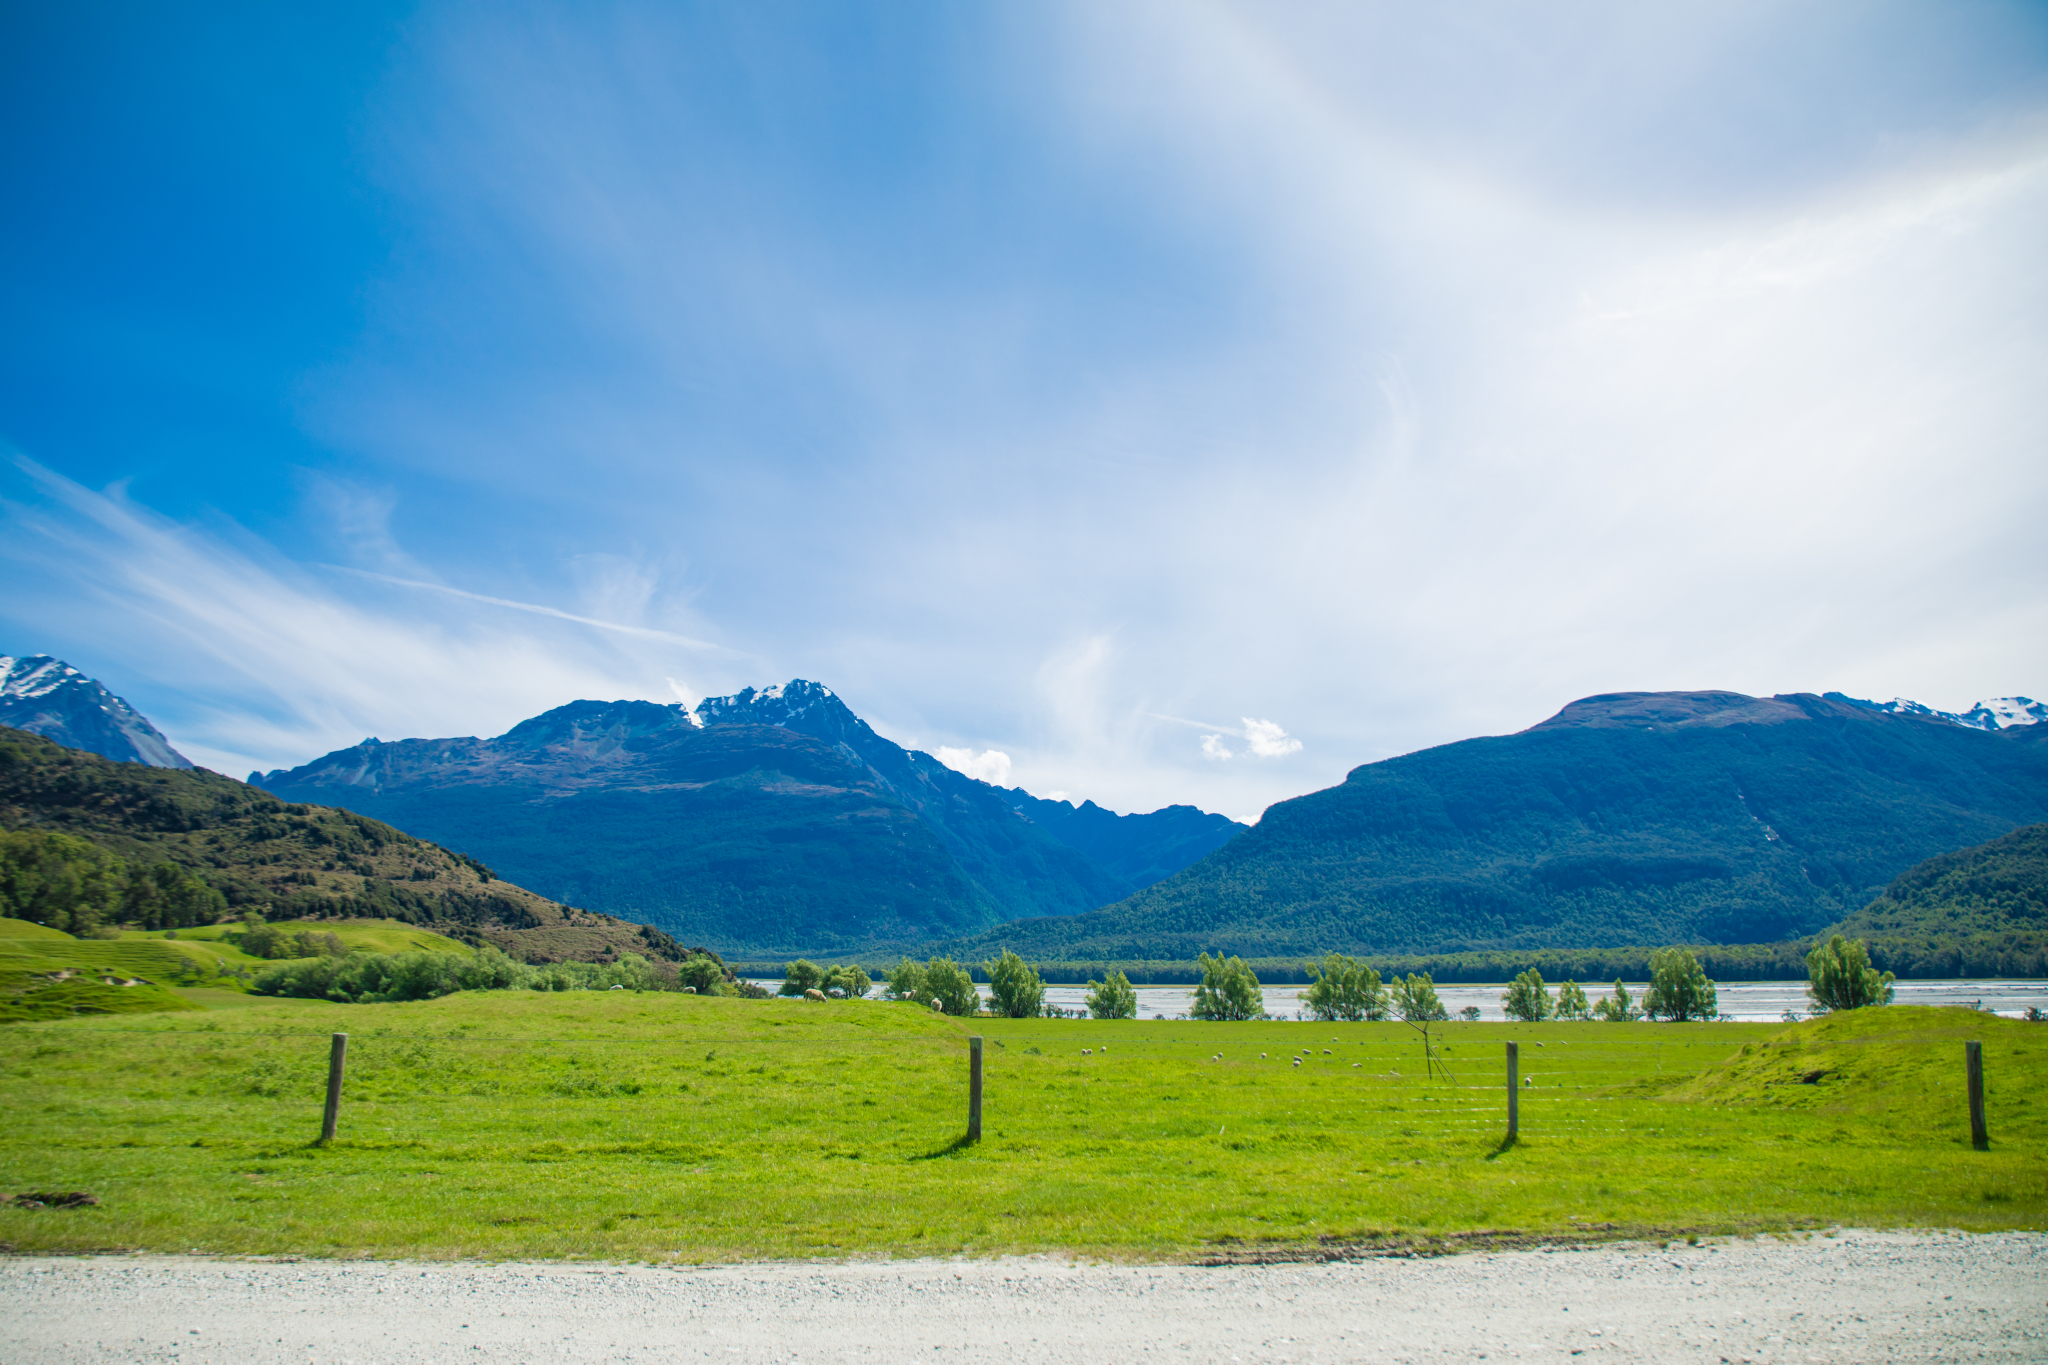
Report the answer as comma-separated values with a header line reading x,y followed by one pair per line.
x,y
645,632
250,661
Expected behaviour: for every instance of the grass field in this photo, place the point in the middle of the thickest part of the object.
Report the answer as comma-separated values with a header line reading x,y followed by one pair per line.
x,y
663,1126
47,974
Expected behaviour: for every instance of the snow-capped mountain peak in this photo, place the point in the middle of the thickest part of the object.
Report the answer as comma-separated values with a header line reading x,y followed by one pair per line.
x,y
49,697
1998,713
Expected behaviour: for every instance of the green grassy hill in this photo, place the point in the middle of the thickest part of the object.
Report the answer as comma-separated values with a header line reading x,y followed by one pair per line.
x,y
166,848
1628,819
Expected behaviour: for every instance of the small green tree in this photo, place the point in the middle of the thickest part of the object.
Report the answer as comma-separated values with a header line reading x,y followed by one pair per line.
x,y
1014,987
948,983
1839,977
1571,1002
1344,988
849,980
1679,989
1617,1008
1112,997
1228,991
800,976
1526,999
906,982
1415,1000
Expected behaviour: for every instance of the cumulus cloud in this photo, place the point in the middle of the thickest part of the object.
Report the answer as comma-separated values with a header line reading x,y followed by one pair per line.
x,y
1267,740
991,766
1214,747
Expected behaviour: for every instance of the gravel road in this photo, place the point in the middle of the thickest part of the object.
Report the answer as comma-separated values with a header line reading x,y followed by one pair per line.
x,y
1855,1297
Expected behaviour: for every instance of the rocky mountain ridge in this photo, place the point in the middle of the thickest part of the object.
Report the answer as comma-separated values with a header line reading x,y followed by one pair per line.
x,y
48,697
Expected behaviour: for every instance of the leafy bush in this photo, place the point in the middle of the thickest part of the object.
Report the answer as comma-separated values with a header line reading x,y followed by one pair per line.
x,y
275,941
1526,999
1679,989
704,974
1228,991
1470,1014
800,976
1112,997
1345,988
848,980
1015,990
946,982
1415,1000
1839,977
1571,1002
371,978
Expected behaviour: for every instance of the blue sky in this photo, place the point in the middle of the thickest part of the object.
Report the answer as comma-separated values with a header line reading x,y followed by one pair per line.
x,y
1185,401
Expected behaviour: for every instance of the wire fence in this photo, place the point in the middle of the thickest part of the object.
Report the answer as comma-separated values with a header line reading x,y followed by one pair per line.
x,y
469,1085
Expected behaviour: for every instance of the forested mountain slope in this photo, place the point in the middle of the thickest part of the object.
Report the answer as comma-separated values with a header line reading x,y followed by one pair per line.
x,y
1138,849
1625,819
769,821
1985,904
188,846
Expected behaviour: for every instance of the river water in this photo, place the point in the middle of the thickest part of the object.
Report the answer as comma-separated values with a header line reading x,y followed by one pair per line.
x,y
1747,1001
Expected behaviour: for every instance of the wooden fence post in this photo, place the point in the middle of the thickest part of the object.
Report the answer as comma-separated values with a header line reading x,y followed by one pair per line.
x,y
1973,1063
336,1057
1514,1094
974,1090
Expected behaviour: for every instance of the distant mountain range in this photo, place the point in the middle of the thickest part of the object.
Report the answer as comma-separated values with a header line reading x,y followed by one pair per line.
x,y
774,820
49,697
1630,818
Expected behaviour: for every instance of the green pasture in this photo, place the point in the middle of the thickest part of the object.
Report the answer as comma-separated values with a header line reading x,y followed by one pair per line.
x,y
664,1126
47,974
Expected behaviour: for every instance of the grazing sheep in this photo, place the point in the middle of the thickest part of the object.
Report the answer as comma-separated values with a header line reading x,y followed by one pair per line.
x,y
1262,1056
939,1005
1326,1052
1086,1051
814,994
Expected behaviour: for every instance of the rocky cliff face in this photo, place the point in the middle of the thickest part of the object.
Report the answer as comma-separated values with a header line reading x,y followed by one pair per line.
x,y
49,697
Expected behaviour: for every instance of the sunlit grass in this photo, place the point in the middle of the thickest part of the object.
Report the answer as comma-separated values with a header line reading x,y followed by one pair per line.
x,y
610,1124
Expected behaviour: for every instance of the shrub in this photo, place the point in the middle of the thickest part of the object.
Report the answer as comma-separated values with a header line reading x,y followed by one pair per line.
x,y
1470,1014
1679,989
1617,1008
1571,1002
1525,998
1015,990
1839,977
800,976
946,982
906,982
1112,997
1344,988
703,973
848,980
1229,990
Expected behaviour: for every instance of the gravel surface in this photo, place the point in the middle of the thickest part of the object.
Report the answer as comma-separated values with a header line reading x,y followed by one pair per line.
x,y
1855,1297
